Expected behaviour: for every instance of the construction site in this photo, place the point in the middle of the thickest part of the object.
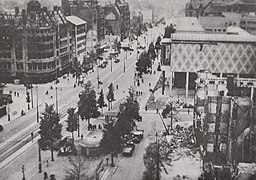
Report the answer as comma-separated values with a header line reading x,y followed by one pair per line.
x,y
225,126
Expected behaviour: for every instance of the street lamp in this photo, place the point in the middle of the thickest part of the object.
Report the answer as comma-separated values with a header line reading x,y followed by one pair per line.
x,y
126,48
39,158
37,110
57,100
98,75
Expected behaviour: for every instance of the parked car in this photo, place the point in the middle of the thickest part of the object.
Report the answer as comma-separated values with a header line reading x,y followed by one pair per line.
x,y
117,61
128,149
137,135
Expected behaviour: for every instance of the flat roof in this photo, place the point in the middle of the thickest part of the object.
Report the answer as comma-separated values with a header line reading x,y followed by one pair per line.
x,y
75,20
234,34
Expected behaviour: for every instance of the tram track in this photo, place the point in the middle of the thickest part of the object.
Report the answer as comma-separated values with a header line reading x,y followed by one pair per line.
x,y
15,144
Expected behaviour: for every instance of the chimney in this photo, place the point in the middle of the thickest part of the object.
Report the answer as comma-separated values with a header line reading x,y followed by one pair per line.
x,y
17,11
24,16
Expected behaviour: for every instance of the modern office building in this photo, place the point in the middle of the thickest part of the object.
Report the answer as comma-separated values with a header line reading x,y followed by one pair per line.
x,y
232,52
79,29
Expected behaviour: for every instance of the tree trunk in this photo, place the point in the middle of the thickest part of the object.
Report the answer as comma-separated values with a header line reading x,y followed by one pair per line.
x,y
28,107
112,159
52,154
88,120
102,111
109,105
72,135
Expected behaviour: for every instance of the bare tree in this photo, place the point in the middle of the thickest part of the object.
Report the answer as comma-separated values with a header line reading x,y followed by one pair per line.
x,y
78,168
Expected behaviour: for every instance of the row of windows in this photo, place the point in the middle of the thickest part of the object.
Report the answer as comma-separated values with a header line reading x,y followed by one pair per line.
x,y
39,55
215,30
5,54
40,66
248,22
81,38
5,65
39,47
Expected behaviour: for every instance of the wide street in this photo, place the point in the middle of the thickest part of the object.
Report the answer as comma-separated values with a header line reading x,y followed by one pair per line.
x,y
17,132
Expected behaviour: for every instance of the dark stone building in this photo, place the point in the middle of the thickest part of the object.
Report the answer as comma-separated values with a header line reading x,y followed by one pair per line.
x,y
35,44
88,10
124,10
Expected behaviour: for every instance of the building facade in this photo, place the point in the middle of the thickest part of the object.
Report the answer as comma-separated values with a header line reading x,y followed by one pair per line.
x,y
79,29
221,54
124,10
36,45
112,20
88,10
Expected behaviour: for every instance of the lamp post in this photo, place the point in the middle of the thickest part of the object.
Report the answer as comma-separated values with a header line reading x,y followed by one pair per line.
x,y
157,158
8,111
37,110
39,159
98,75
126,48
31,92
57,100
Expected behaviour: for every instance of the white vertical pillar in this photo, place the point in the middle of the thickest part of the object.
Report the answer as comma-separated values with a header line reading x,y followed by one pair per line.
x,y
187,82
170,82
220,75
252,92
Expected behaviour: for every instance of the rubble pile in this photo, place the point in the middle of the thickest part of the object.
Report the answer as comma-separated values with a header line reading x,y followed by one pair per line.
x,y
179,143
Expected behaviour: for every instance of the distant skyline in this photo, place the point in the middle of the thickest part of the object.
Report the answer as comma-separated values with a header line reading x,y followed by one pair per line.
x,y
164,8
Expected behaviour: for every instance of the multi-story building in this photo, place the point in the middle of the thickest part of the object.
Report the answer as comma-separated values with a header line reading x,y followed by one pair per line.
x,y
136,22
112,20
232,52
79,29
35,44
248,23
88,10
124,10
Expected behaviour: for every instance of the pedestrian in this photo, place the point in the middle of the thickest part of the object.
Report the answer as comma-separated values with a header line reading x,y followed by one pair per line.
x,y
14,93
188,111
46,92
47,163
142,80
82,136
75,85
154,72
149,84
107,160
156,110
18,94
146,108
117,86
45,175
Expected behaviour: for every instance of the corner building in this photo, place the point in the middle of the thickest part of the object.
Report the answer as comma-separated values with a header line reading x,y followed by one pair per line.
x,y
35,44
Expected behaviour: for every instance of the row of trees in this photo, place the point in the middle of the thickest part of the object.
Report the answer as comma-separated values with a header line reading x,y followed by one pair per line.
x,y
145,59
114,131
50,126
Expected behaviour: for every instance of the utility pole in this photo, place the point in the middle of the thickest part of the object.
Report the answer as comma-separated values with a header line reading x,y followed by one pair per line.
x,y
171,116
37,110
157,158
39,158
31,92
57,100
8,111
98,75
